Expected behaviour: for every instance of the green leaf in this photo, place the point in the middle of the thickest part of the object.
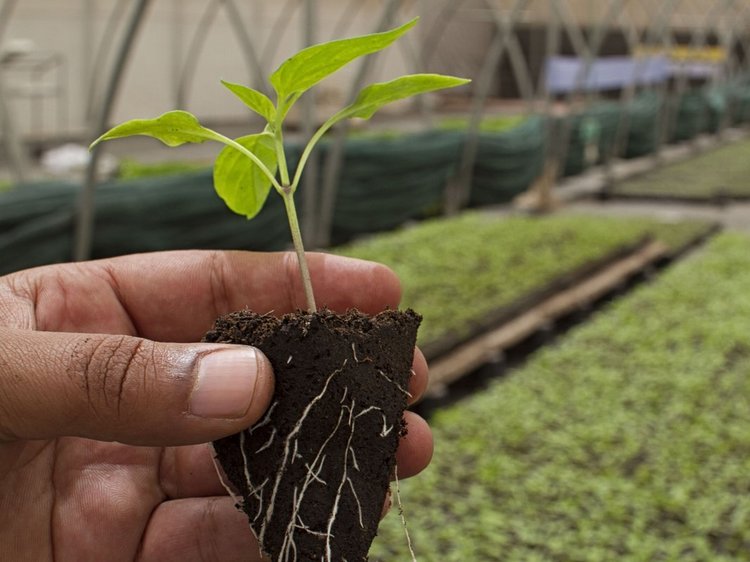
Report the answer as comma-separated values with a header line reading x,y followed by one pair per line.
x,y
255,100
239,181
375,96
172,128
311,65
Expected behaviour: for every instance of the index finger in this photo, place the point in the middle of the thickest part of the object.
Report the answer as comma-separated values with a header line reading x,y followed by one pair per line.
x,y
175,296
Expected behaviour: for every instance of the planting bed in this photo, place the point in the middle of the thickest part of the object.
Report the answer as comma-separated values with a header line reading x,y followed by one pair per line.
x,y
715,176
467,274
629,440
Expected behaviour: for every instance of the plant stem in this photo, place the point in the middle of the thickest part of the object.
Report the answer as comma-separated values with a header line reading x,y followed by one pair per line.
x,y
287,193
309,148
281,157
299,248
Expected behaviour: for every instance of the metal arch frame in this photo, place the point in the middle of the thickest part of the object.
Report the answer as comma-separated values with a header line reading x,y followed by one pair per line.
x,y
633,37
506,43
84,227
588,51
663,36
247,47
432,36
195,46
729,38
334,160
103,50
310,179
6,11
743,40
458,191
698,38
278,29
347,16
17,156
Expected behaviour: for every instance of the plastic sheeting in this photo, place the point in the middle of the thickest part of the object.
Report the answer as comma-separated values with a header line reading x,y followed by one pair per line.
x,y
568,74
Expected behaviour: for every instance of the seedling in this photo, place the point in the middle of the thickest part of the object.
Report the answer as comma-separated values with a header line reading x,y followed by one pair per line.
x,y
246,169
313,474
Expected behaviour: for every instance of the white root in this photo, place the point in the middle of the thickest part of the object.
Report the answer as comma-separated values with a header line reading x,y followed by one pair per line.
x,y
403,517
344,478
394,383
287,449
268,443
314,469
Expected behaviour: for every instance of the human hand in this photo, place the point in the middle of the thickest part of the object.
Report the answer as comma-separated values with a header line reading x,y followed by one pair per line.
x,y
103,431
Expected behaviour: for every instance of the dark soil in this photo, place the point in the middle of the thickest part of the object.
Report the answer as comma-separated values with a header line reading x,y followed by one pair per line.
x,y
312,476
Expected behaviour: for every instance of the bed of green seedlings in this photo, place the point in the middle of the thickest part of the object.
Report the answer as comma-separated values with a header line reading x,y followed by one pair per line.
x,y
629,440
721,172
455,272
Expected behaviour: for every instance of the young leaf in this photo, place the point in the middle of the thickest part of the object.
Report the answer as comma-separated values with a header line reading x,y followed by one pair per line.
x,y
311,65
255,100
172,128
239,181
375,96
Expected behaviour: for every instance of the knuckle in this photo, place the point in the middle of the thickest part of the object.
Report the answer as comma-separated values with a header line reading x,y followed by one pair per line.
x,y
218,283
208,545
114,370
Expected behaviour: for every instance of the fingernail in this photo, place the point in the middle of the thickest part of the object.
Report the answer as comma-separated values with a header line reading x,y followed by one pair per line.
x,y
226,383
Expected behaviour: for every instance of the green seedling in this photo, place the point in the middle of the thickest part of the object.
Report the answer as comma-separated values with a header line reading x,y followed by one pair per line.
x,y
249,166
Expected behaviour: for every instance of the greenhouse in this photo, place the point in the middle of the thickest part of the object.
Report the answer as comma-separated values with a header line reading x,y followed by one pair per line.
x,y
268,267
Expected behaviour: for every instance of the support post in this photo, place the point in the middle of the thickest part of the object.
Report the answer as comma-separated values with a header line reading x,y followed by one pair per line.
x,y
335,158
86,203
17,157
459,191
310,179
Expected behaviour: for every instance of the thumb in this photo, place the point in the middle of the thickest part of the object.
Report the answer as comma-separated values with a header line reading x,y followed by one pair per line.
x,y
127,389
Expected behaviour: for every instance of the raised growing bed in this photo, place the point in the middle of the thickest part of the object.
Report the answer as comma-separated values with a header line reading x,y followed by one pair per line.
x,y
715,177
386,181
508,161
598,126
628,441
37,222
509,156
479,272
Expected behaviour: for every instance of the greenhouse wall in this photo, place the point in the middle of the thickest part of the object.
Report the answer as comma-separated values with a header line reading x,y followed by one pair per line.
x,y
157,63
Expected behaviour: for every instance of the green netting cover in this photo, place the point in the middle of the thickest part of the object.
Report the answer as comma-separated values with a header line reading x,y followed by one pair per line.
x,y
642,115
596,127
385,182
738,100
508,162
175,212
691,119
716,108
